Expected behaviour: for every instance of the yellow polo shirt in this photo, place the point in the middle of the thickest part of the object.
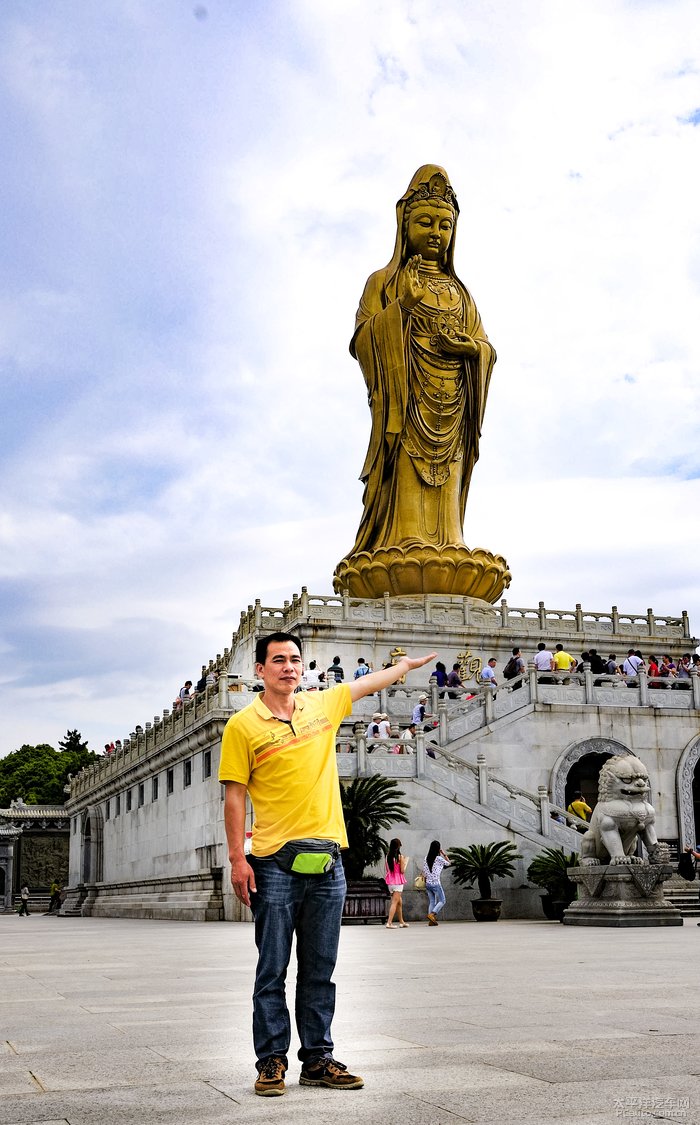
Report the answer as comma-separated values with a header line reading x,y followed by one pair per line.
x,y
290,771
562,661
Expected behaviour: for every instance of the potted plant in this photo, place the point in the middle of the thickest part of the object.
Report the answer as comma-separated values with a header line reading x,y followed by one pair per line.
x,y
549,870
480,863
370,805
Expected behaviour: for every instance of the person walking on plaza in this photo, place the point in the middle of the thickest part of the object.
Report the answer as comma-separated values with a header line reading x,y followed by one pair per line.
x,y
433,866
280,750
24,901
395,878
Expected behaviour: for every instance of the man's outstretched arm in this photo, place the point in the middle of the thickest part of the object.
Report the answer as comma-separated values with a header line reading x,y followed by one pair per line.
x,y
375,681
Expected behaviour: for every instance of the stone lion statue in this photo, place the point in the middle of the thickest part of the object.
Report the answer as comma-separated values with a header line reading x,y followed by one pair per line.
x,y
623,813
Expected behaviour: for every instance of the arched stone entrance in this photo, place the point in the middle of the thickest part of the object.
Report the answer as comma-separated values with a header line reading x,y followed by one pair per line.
x,y
600,748
91,845
688,795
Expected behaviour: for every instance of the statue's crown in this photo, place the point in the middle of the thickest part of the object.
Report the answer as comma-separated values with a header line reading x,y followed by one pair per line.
x,y
436,188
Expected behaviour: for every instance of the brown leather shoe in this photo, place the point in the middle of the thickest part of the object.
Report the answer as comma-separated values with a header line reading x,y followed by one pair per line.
x,y
330,1073
270,1080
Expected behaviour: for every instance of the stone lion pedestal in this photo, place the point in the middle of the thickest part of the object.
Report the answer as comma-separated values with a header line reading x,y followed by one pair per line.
x,y
621,895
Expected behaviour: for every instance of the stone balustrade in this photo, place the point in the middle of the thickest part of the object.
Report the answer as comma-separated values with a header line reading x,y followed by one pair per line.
x,y
432,609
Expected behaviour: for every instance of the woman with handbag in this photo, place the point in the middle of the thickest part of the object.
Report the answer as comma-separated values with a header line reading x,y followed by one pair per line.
x,y
396,880
433,865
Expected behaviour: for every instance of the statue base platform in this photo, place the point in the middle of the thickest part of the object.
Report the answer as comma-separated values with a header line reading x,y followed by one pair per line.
x,y
621,895
423,569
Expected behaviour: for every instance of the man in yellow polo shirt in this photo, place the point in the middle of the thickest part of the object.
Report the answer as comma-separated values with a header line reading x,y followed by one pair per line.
x,y
281,750
563,662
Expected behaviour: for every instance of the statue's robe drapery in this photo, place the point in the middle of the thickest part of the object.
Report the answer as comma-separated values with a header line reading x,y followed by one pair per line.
x,y
427,411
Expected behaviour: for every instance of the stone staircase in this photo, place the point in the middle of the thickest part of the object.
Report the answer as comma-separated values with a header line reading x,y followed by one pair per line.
x,y
685,896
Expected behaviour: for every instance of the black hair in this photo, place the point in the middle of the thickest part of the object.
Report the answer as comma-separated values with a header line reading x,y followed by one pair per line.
x,y
393,854
541,646
433,853
263,643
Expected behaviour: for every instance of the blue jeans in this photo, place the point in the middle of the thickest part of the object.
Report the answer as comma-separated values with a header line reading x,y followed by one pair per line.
x,y
310,906
436,898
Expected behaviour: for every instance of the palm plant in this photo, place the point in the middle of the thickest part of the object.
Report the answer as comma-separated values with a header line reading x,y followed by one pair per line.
x,y
480,863
369,805
549,870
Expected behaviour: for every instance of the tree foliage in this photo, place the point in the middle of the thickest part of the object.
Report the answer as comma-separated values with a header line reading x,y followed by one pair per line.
x,y
38,774
549,869
369,805
480,863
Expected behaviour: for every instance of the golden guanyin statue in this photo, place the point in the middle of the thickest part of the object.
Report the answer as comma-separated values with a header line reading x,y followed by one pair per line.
x,y
427,363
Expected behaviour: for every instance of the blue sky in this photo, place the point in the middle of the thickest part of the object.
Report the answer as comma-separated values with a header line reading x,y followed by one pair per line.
x,y
193,195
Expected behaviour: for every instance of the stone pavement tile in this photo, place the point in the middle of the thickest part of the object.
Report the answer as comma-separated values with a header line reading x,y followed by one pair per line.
x,y
566,1066
15,1078
77,1069
563,1100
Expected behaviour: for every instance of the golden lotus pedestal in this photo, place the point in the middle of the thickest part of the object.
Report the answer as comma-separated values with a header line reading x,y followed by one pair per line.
x,y
423,569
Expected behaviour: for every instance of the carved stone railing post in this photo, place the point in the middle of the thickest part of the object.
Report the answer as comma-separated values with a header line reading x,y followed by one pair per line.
x,y
433,695
346,605
532,677
650,622
615,620
420,753
222,685
588,682
387,606
579,618
361,755
643,680
384,701
483,779
304,601
695,685
489,710
443,731
545,818
686,623
542,616
504,613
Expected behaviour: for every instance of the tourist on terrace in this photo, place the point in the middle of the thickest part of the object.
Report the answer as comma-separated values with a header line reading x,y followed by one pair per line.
x,y
407,737
454,681
184,693
578,807
363,669
311,680
440,675
633,662
384,725
24,901
488,674
683,672
544,662
563,662
613,668
419,710
337,671
653,672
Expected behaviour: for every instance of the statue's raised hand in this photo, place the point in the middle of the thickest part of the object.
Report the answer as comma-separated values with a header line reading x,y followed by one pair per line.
x,y
411,287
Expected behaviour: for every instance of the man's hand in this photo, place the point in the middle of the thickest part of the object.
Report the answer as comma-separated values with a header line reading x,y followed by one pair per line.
x,y
243,880
377,681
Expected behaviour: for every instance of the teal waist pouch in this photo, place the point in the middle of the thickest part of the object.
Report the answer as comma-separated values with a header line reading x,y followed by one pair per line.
x,y
307,857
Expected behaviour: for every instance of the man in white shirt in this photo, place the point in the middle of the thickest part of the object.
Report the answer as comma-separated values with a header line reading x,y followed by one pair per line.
x,y
488,674
544,662
632,664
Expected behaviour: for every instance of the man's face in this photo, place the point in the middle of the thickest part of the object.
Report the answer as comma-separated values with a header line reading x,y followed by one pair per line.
x,y
283,667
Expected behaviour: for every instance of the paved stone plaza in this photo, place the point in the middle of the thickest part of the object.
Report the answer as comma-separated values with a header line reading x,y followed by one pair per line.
x,y
113,1020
